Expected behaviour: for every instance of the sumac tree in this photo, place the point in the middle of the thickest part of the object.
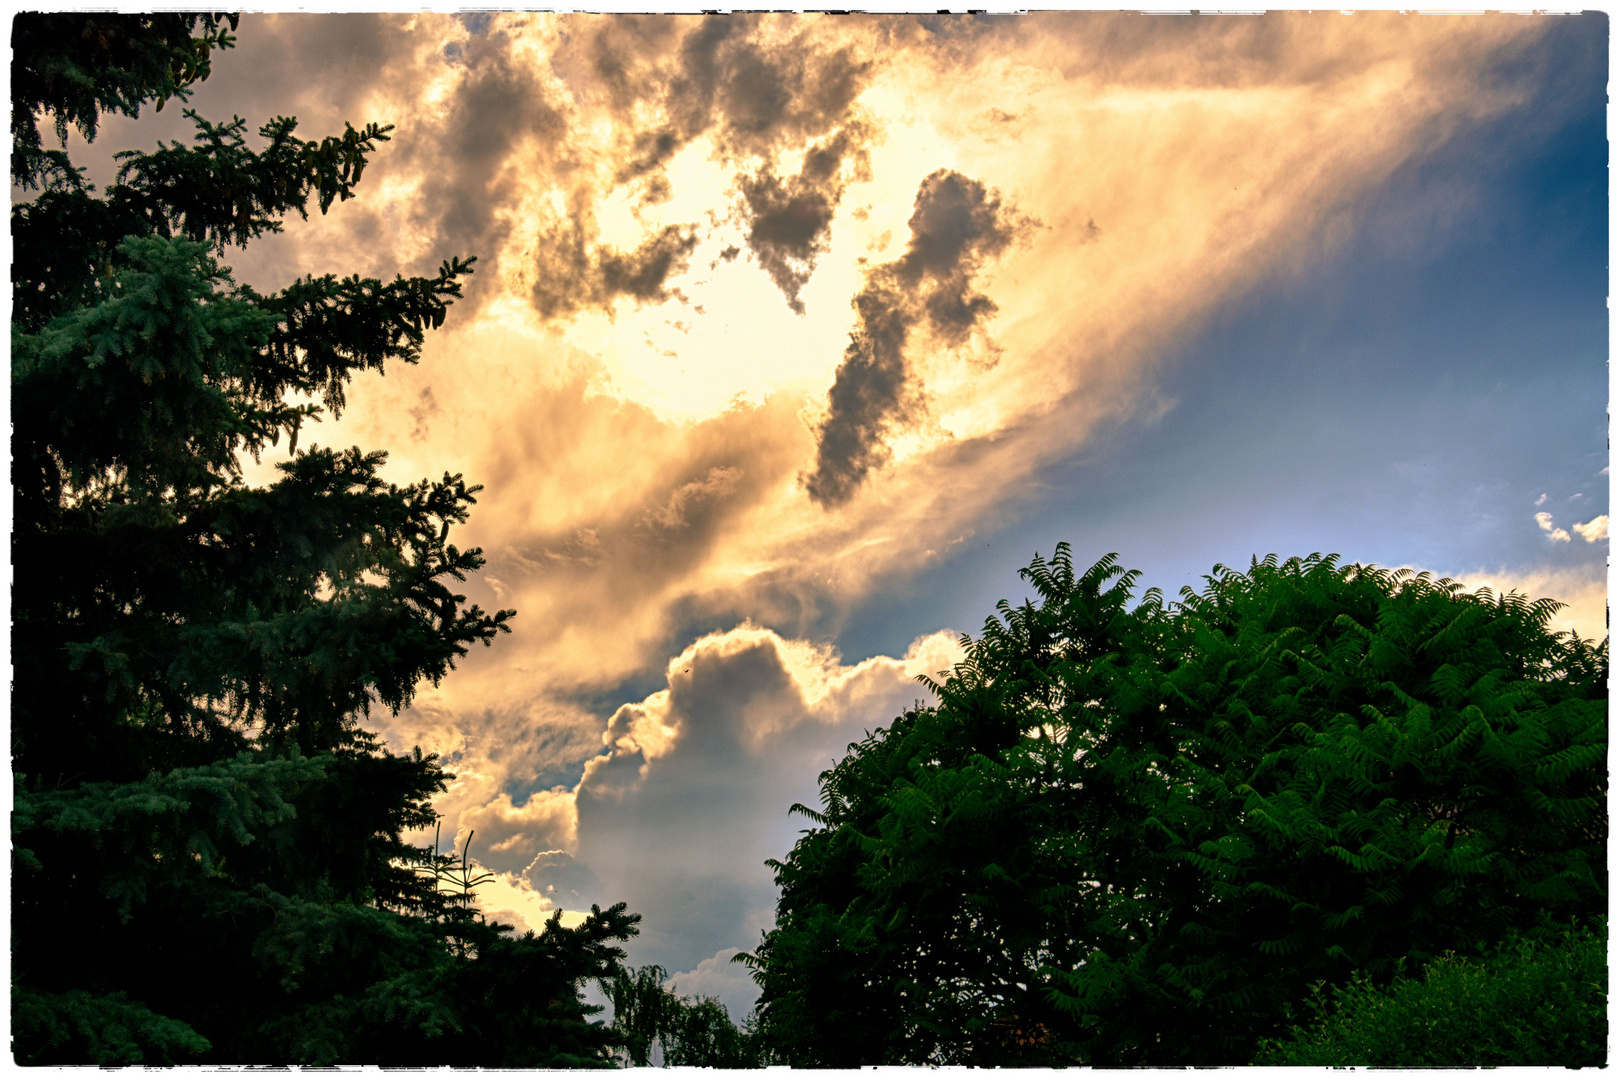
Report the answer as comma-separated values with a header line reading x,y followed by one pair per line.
x,y
1137,833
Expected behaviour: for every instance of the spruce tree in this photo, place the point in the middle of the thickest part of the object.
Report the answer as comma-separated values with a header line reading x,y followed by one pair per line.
x,y
208,863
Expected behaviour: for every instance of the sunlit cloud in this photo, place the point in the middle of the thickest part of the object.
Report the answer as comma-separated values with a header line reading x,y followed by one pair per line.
x,y
718,977
1584,592
1594,530
509,835
509,898
1544,521
771,309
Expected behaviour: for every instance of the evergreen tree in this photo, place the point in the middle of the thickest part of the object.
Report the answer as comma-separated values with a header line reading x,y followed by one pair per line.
x,y
1140,834
207,852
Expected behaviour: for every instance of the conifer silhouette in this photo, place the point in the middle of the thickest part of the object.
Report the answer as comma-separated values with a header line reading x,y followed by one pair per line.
x,y
208,863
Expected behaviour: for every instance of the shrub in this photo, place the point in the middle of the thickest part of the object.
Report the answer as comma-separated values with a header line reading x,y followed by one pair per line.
x,y
1529,1003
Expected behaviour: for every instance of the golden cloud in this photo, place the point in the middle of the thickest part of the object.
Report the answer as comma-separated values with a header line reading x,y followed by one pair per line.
x,y
674,218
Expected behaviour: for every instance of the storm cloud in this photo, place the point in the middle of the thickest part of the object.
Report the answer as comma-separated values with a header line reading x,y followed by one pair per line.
x,y
496,110
957,228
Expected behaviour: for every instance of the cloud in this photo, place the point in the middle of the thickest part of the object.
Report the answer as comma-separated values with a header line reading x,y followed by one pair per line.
x,y
564,881
573,272
717,977
513,133
511,899
1542,501
789,222
1545,521
688,793
756,83
1584,592
526,901
496,108
508,835
1594,530
751,87
957,227
680,823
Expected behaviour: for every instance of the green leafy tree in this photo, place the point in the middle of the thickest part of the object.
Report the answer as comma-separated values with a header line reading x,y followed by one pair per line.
x,y
655,1026
208,861
1137,834
1537,1000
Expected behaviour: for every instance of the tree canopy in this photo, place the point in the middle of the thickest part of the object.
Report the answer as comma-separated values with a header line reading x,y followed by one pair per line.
x,y
209,860
1137,832
656,1026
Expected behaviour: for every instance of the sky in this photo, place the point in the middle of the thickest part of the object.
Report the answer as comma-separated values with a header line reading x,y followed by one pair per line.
x,y
793,337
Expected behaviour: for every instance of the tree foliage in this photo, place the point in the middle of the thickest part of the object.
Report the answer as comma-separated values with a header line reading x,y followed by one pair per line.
x,y
655,1026
208,852
1137,833
74,67
1537,1000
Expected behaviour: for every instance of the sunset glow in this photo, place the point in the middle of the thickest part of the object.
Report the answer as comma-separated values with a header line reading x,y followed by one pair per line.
x,y
780,321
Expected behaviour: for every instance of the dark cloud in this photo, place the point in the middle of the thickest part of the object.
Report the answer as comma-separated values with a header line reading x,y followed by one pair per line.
x,y
321,69
957,227
665,81
789,222
316,67
576,273
683,836
496,110
788,229
641,273
498,113
947,40
427,407
565,881
754,97
639,61
476,22
706,62
619,56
